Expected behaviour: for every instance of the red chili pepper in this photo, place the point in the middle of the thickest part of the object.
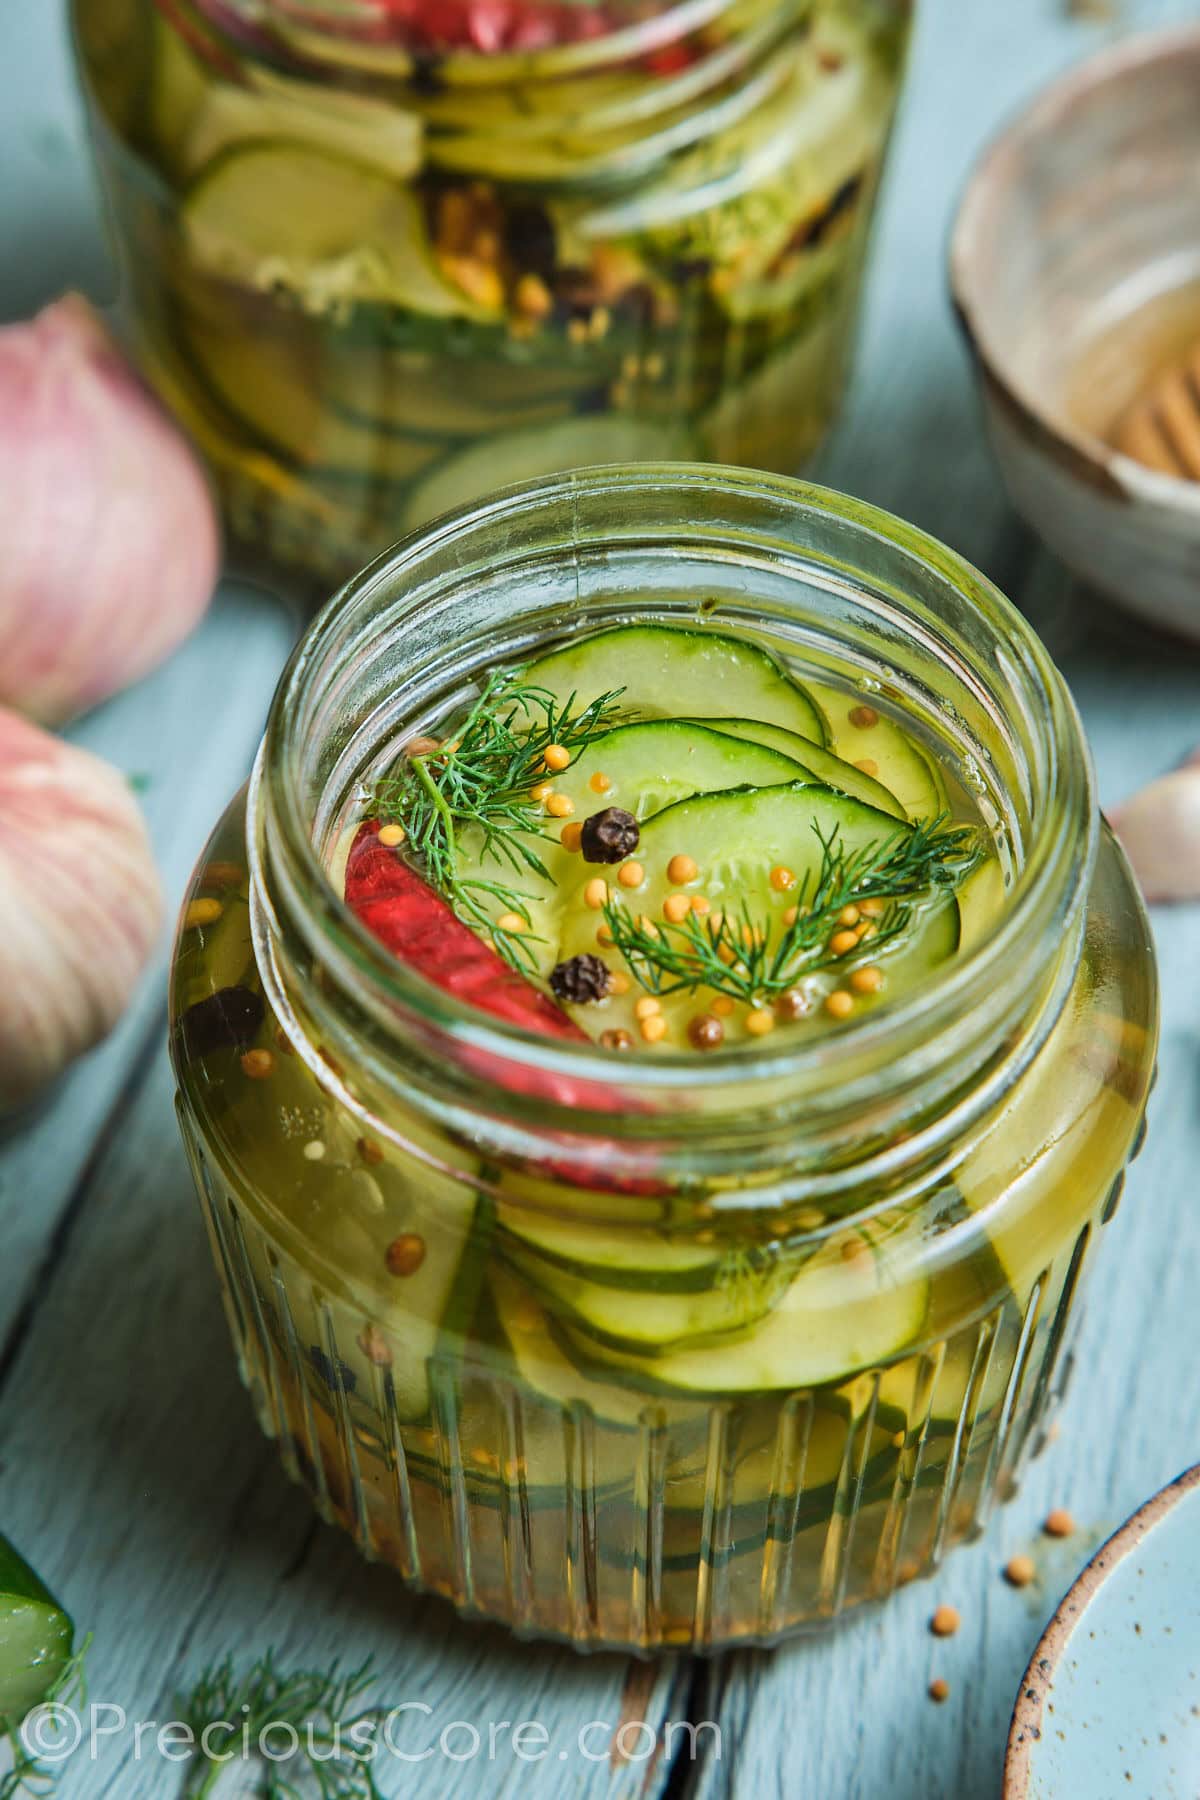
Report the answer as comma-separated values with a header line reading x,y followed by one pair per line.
x,y
417,926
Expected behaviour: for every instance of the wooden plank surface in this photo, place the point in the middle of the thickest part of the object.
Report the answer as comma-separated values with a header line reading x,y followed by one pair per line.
x,y
129,1466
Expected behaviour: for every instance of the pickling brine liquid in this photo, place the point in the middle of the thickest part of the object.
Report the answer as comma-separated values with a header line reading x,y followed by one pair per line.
x,y
374,284
652,1417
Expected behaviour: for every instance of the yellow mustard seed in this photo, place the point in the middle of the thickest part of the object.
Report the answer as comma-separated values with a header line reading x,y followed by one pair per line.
x,y
604,935
646,923
848,915
224,874
571,837
868,980
842,941
939,1689
863,717
542,790
203,912
392,835
791,915
722,1005
699,903
532,297
682,869
618,982
868,766
1019,1571
599,782
646,1007
258,1064
760,1021
871,909
945,1621
676,907
421,746
560,806
556,757
631,874
839,1004
1058,1523
782,878
595,894
653,1029
512,922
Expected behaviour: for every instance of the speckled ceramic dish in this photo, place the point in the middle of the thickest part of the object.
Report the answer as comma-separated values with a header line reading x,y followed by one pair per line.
x,y
1075,269
1109,1708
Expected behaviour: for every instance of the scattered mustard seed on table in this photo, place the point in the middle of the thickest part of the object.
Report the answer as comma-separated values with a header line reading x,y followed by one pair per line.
x,y
945,1621
1059,1523
939,1689
1019,1571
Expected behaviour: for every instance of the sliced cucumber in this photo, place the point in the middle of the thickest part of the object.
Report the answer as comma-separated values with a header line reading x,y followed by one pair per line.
x,y
530,454
328,228
652,1314
598,1249
547,1368
843,777
36,1638
267,385
752,831
906,771
836,1318
652,765
669,671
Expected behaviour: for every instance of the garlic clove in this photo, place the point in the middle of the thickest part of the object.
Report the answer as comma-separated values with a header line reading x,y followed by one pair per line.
x,y
1160,830
80,904
111,543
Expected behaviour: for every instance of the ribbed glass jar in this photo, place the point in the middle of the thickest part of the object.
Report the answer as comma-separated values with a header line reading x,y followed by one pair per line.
x,y
367,1148
373,280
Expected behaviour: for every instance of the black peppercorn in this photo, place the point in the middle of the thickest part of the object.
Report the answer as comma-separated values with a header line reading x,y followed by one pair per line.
x,y
706,1032
580,979
609,836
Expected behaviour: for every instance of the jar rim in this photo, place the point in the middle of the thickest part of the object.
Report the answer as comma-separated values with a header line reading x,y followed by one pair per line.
x,y
1049,886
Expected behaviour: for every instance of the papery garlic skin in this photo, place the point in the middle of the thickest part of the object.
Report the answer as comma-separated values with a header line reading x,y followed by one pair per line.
x,y
111,541
80,904
1160,831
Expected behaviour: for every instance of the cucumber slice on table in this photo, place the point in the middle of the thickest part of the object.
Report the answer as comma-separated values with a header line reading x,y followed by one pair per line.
x,y
907,772
535,452
328,228
837,1317
673,671
843,777
36,1638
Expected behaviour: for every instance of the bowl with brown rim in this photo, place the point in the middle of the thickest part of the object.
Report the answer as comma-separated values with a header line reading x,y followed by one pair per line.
x,y
1075,273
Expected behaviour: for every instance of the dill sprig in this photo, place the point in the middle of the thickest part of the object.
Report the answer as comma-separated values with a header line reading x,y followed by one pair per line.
x,y
479,780
28,1774
337,1735
733,952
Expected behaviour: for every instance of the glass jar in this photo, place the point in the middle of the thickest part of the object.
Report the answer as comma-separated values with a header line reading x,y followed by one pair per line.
x,y
373,281
368,1149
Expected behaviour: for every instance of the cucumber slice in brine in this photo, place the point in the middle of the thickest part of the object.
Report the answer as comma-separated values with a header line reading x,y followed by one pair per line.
x,y
668,671
837,1317
36,1638
906,771
326,227
828,769
539,452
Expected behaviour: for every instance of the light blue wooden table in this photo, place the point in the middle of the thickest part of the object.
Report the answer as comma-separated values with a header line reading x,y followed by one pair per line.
x,y
130,1469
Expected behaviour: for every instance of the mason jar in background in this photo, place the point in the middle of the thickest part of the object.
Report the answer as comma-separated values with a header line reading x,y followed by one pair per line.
x,y
377,269
378,1162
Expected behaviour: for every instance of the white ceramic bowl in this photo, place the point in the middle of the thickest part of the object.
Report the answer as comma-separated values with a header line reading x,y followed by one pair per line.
x,y
1083,210
1109,1707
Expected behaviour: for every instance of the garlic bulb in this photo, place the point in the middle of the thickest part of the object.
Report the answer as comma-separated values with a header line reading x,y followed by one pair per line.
x,y
80,903
111,546
1160,829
